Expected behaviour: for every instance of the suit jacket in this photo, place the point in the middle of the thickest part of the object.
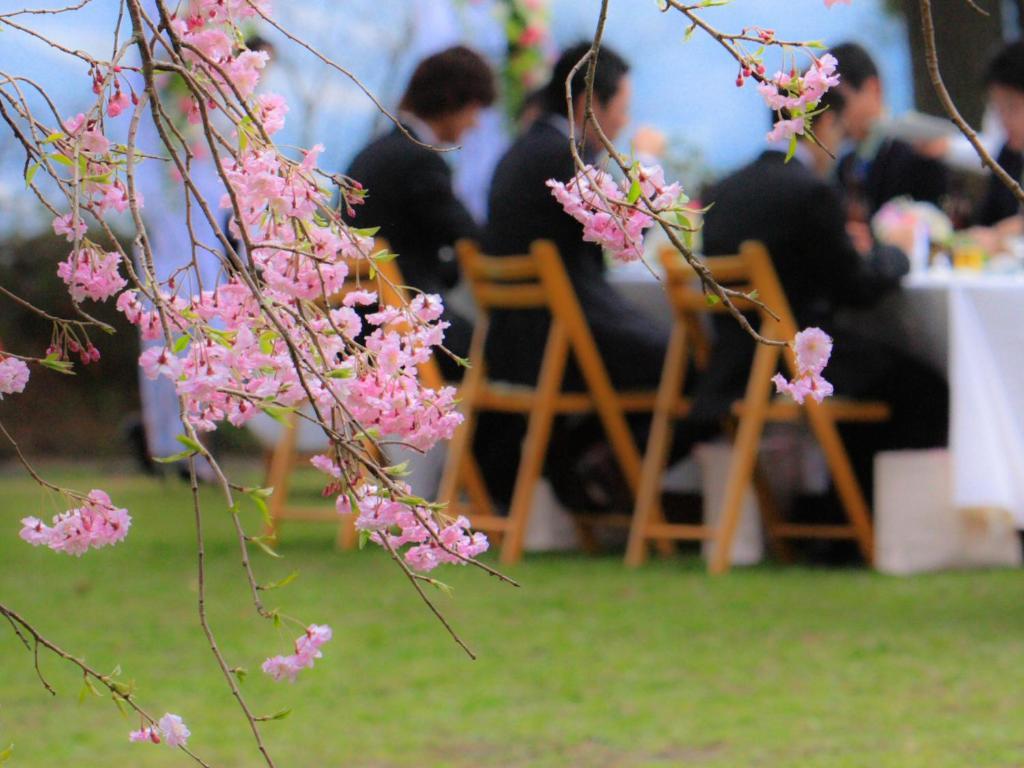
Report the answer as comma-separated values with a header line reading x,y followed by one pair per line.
x,y
1000,203
896,170
800,219
410,198
521,209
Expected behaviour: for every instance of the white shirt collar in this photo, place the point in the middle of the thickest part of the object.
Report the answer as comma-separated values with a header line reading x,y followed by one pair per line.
x,y
420,129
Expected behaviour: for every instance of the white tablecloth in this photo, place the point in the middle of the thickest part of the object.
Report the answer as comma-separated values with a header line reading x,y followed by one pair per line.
x,y
983,320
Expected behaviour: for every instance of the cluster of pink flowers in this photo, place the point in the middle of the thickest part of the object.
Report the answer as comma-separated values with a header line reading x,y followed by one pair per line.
x,y
612,215
95,524
798,95
13,376
307,650
813,348
90,274
429,542
170,730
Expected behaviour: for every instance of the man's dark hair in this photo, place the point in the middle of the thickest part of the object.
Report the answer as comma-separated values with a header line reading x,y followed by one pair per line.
x,y
449,81
611,68
1007,67
856,66
833,101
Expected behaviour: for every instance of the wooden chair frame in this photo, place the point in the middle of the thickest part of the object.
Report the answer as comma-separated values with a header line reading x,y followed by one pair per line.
x,y
754,270
536,280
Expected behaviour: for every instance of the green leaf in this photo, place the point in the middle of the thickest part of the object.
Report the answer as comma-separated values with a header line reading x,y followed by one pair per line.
x,y
171,459
188,442
180,343
60,366
261,505
792,148
278,584
261,542
276,716
267,339
398,470
87,688
634,192
413,501
364,536
341,373
383,257
6,754
367,232
711,299
240,673
55,136
277,412
58,158
31,174
441,586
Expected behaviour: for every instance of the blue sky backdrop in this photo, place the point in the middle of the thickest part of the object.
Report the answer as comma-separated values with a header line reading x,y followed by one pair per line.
x,y
684,88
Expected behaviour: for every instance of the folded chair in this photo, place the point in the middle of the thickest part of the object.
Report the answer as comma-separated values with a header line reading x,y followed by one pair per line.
x,y
750,270
536,280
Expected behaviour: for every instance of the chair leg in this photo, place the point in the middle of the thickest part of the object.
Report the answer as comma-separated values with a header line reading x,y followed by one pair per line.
x,y
535,444
460,448
850,493
658,442
281,465
347,534
744,454
771,516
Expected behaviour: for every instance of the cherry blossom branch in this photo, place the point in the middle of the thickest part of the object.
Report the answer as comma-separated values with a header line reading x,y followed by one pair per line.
x,y
120,692
708,282
931,58
229,676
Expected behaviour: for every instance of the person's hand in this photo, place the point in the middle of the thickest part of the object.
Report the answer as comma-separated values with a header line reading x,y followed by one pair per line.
x,y
860,236
649,142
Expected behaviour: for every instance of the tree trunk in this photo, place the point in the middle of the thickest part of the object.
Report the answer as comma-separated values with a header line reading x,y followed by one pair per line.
x,y
965,39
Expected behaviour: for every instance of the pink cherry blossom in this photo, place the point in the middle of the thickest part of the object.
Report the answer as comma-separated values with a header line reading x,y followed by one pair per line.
x,y
307,649
69,226
97,523
14,375
90,274
174,730
784,129
148,733
272,109
605,211
812,348
95,142
117,104
74,124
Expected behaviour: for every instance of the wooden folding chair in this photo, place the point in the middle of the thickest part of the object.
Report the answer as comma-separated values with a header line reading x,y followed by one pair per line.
x,y
752,269
536,280
286,456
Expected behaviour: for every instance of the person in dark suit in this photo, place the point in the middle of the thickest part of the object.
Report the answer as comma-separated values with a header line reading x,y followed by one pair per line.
x,y
793,209
879,168
521,209
410,195
1004,79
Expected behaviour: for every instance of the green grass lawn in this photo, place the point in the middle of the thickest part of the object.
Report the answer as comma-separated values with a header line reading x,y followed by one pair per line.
x,y
588,664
